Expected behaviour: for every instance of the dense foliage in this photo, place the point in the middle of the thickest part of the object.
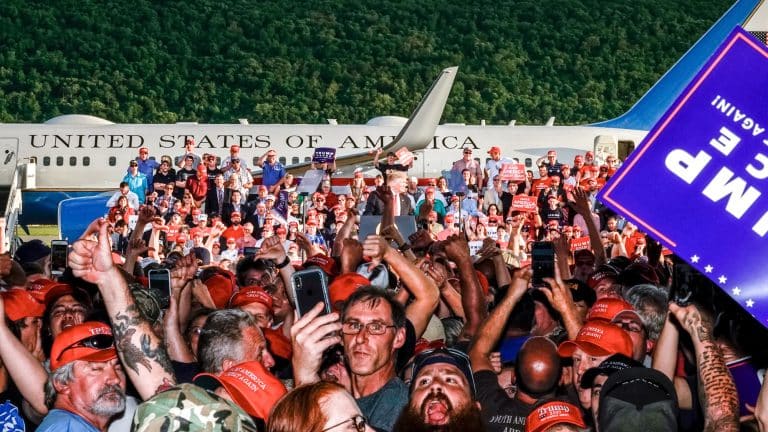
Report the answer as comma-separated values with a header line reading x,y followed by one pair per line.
x,y
305,61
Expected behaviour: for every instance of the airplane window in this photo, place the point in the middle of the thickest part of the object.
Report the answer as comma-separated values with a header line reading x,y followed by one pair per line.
x,y
152,158
255,159
528,162
59,160
294,160
86,161
47,161
282,159
307,159
72,161
112,161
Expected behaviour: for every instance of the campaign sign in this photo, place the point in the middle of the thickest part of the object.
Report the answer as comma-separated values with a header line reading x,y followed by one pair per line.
x,y
524,203
695,182
514,172
324,155
580,243
404,156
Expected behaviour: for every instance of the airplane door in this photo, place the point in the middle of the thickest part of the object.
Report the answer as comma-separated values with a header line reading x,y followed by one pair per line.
x,y
9,148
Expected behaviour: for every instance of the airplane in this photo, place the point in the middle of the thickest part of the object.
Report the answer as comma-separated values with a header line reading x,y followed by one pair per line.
x,y
80,155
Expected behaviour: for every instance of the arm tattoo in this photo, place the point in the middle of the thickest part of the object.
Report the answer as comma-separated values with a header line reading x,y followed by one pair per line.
x,y
124,325
717,391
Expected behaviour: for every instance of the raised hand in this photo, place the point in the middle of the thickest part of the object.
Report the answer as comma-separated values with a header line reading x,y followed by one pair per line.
x,y
272,248
375,247
311,335
91,259
456,247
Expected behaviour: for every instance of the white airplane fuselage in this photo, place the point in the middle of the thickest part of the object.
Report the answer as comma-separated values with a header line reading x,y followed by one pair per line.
x,y
96,157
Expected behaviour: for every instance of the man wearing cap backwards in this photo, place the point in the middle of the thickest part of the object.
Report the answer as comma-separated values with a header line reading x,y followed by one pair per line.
x,y
86,387
596,341
442,395
273,171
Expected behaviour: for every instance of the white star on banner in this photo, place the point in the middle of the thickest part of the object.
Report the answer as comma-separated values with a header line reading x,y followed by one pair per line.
x,y
722,279
750,303
736,291
695,259
708,268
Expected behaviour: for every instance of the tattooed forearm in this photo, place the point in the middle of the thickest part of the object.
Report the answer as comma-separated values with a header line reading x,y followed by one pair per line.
x,y
717,391
141,353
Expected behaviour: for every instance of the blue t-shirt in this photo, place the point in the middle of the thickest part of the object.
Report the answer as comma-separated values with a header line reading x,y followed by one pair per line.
x,y
64,421
272,174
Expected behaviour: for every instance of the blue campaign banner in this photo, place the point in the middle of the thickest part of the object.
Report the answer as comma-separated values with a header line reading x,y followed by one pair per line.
x,y
324,154
695,183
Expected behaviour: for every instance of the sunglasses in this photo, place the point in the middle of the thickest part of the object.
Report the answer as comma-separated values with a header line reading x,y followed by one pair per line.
x,y
99,342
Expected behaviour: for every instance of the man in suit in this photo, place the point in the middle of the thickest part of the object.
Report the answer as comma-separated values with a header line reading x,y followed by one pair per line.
x,y
232,206
216,197
396,182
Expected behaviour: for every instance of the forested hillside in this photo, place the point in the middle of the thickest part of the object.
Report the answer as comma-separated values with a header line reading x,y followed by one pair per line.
x,y
305,61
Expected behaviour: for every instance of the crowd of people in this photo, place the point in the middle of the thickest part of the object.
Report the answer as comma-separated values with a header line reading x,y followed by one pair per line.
x,y
438,324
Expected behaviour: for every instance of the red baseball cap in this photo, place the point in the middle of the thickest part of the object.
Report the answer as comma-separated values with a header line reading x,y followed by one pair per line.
x,y
234,147
326,263
48,291
494,149
279,344
220,288
19,304
606,309
249,384
553,413
251,294
598,338
89,341
234,214
344,286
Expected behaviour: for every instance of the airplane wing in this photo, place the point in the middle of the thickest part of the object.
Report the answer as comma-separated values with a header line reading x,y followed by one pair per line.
x,y
417,132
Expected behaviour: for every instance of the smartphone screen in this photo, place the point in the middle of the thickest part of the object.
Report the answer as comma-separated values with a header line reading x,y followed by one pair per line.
x,y
250,251
310,287
160,284
543,262
59,249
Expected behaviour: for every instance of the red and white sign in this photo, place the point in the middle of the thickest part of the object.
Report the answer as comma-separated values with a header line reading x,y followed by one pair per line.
x,y
524,203
514,172
579,243
404,156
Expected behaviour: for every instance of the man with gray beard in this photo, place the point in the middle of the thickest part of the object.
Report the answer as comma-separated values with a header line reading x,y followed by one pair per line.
x,y
86,385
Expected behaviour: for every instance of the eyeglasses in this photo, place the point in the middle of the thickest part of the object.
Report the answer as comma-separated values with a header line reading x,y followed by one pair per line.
x,y
99,342
373,328
358,421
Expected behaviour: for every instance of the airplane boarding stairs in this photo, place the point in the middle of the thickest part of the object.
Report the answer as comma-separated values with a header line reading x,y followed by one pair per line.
x,y
10,201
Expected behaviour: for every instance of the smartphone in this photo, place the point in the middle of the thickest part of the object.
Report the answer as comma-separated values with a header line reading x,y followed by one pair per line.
x,y
160,285
684,281
310,287
59,250
250,250
542,261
